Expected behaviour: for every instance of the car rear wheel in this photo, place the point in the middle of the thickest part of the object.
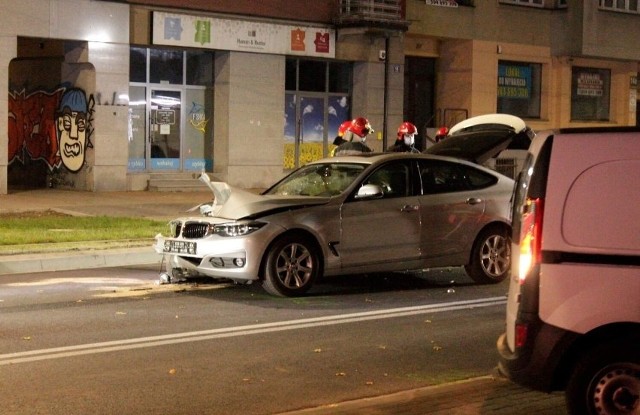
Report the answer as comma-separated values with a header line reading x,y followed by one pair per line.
x,y
291,267
606,381
490,260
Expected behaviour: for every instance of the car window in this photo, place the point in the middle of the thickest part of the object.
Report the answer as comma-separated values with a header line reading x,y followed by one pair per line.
x,y
326,179
445,177
520,141
477,179
393,178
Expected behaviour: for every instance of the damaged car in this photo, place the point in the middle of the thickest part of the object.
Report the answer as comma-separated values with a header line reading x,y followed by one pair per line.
x,y
348,215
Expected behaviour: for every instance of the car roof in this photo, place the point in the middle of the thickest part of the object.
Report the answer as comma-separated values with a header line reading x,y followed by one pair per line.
x,y
370,158
375,158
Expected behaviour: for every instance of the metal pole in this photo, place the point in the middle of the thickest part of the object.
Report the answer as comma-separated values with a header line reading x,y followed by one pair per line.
x,y
385,92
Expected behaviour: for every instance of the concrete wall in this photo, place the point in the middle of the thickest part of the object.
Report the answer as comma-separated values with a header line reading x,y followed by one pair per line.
x,y
96,63
248,119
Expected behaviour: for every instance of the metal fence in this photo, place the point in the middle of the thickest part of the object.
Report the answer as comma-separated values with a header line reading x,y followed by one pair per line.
x,y
356,11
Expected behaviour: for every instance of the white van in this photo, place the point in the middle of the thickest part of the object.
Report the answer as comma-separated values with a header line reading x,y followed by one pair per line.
x,y
573,313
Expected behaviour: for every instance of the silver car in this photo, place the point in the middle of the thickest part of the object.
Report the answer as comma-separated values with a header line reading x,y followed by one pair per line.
x,y
348,215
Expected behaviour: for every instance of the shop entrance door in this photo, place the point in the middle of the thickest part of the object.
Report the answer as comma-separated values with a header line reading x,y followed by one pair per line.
x,y
164,129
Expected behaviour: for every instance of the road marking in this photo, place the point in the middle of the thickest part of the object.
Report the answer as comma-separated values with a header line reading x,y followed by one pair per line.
x,y
168,339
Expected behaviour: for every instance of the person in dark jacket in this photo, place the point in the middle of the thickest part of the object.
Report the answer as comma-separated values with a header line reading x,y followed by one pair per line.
x,y
405,143
357,135
341,138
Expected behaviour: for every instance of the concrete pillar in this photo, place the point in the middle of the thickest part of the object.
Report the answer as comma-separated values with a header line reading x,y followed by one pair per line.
x,y
8,51
248,144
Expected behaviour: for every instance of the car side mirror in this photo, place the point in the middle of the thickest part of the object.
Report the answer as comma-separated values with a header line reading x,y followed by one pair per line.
x,y
370,191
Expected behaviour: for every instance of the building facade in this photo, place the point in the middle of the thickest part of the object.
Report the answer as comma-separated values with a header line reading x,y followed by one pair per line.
x,y
105,95
554,63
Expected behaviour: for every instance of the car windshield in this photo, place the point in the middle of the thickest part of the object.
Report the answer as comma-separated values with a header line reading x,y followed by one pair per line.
x,y
326,179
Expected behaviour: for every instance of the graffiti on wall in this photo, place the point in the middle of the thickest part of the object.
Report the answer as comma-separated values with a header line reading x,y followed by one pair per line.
x,y
55,127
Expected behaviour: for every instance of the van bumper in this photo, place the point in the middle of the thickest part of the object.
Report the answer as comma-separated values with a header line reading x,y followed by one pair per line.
x,y
537,364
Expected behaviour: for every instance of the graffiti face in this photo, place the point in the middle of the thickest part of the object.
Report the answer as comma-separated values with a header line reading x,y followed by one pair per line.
x,y
72,128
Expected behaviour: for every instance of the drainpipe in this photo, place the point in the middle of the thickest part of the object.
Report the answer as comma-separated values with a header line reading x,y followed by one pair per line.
x,y
385,92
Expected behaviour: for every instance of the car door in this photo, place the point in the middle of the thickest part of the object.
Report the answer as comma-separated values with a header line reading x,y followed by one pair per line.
x,y
383,230
451,212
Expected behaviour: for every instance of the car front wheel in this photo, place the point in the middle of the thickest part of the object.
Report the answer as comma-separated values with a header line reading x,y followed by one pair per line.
x,y
291,267
606,381
490,260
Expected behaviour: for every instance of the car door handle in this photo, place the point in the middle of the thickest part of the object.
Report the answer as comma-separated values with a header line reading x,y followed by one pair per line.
x,y
473,201
409,208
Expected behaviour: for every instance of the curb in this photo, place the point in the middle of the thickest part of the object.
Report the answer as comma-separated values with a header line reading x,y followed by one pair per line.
x,y
84,259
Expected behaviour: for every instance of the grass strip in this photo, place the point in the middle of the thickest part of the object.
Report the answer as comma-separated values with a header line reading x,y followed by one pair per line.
x,y
52,227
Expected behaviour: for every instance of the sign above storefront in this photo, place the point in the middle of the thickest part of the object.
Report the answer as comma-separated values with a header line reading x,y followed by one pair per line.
x,y
444,3
172,29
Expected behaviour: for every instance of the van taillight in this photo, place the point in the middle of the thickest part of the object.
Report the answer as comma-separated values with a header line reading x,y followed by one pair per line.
x,y
522,331
530,235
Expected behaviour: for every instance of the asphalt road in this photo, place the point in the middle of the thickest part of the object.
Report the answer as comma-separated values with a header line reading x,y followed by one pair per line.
x,y
113,341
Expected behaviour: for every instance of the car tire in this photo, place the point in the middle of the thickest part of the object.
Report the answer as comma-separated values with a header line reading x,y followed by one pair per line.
x,y
291,267
490,260
606,381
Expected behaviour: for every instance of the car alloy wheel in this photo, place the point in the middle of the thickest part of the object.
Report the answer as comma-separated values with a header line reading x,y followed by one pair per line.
x,y
491,256
292,266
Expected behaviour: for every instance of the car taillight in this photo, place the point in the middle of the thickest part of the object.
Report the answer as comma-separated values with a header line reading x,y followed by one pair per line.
x,y
530,235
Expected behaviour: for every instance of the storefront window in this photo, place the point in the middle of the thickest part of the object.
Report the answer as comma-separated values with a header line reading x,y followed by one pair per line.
x,y
165,66
138,65
317,101
313,76
200,68
519,88
590,89
170,112
339,77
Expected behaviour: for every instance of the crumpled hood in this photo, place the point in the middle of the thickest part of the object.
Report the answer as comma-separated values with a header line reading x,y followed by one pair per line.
x,y
235,203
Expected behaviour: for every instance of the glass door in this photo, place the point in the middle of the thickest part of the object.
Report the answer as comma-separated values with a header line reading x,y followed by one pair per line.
x,y
164,129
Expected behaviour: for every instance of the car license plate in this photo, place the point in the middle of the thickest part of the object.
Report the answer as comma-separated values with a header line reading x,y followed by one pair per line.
x,y
180,247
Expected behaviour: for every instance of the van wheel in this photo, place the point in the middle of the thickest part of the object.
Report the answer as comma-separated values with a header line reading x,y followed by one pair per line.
x,y
490,260
292,265
606,381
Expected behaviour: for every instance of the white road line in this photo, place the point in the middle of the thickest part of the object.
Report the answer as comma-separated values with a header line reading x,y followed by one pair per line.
x,y
167,339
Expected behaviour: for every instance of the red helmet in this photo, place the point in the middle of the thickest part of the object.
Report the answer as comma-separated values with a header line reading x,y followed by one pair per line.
x,y
442,131
360,126
406,128
344,127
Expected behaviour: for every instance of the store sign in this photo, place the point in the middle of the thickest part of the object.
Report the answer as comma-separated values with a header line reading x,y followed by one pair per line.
x,y
589,84
213,33
514,81
444,3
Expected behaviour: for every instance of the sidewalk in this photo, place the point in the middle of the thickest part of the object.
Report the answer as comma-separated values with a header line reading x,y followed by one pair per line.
x,y
491,394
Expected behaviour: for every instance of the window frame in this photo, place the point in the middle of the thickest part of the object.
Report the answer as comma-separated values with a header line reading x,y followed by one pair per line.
x,y
539,4
614,6
584,97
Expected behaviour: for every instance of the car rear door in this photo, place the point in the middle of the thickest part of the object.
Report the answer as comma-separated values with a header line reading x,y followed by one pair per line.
x,y
386,230
451,212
